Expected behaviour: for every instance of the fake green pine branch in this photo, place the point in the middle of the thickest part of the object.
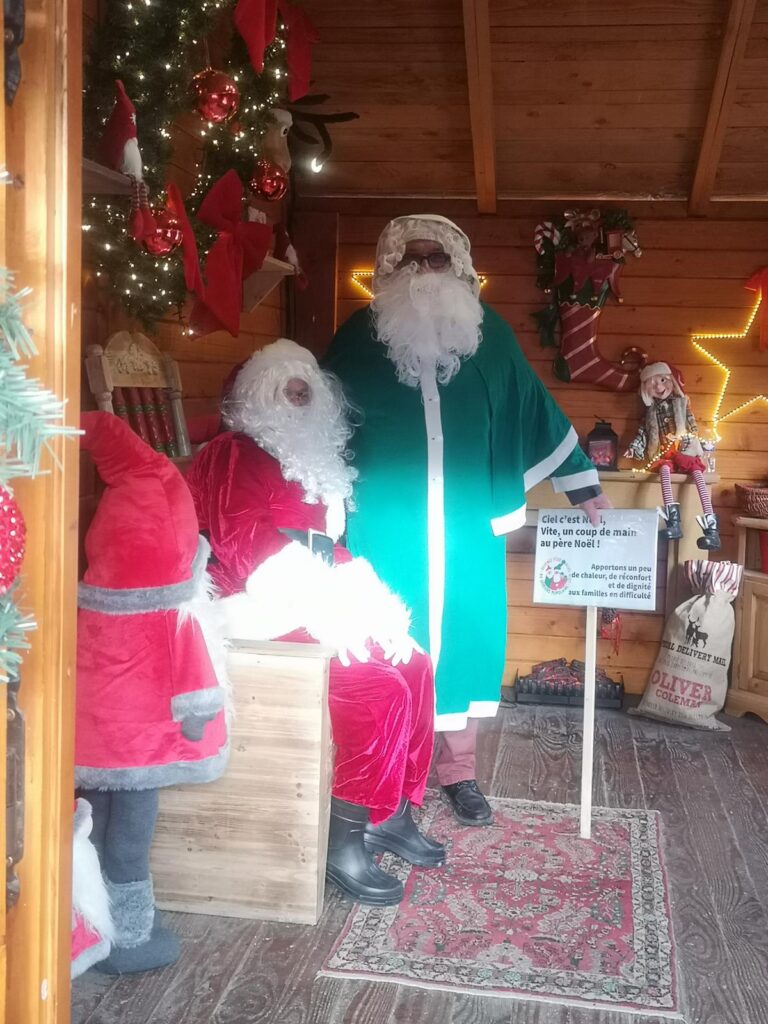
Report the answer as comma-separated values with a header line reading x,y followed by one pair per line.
x,y
14,626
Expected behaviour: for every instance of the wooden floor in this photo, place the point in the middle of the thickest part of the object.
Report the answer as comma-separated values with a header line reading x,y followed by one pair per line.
x,y
712,791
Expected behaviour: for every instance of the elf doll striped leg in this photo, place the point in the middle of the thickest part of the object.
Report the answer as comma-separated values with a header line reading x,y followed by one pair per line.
x,y
671,510
708,520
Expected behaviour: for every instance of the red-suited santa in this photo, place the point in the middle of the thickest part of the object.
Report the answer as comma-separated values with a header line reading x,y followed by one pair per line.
x,y
271,494
150,704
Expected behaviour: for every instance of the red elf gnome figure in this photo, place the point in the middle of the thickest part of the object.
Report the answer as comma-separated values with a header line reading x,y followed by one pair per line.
x,y
119,149
150,704
667,440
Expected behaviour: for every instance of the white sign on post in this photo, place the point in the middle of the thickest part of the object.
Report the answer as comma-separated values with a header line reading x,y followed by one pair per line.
x,y
612,566
608,566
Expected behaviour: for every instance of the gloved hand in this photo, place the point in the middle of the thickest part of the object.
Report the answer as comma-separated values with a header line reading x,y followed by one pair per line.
x,y
361,608
402,652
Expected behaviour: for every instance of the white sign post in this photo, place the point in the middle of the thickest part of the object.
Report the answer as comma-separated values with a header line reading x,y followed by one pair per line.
x,y
611,566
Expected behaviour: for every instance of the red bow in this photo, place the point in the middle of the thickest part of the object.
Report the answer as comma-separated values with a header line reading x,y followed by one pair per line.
x,y
299,36
256,21
192,278
759,283
237,253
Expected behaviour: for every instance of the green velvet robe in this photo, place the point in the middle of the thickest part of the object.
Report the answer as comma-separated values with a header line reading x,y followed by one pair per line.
x,y
443,475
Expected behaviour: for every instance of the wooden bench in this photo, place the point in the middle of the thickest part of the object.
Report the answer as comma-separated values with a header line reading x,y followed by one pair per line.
x,y
253,844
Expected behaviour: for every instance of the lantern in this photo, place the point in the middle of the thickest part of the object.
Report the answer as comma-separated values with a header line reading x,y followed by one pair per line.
x,y
603,446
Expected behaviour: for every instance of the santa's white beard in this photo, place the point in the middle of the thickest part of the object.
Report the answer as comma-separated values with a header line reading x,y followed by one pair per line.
x,y
427,320
309,443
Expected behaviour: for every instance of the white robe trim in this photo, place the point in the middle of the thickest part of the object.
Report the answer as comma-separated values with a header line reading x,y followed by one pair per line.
x,y
547,466
335,517
435,510
458,719
587,478
511,521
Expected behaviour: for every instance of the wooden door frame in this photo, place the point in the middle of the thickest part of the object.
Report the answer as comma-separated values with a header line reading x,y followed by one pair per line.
x,y
43,225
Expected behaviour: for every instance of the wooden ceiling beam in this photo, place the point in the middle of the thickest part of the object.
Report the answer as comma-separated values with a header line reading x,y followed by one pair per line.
x,y
734,43
477,44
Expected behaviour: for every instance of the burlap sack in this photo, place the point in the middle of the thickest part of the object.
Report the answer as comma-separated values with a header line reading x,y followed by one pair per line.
x,y
690,677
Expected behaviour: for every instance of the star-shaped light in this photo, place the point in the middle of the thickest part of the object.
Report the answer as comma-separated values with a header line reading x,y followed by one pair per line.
x,y
362,278
705,342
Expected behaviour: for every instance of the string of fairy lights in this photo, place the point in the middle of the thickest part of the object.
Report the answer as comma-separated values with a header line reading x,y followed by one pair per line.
x,y
155,48
697,340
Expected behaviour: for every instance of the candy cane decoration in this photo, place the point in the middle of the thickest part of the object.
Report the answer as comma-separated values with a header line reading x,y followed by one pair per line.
x,y
545,230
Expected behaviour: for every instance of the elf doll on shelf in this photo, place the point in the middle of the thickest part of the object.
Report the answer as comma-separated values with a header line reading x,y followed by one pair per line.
x,y
667,441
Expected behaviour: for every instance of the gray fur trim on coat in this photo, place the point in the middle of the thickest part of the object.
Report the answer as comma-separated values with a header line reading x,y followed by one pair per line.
x,y
137,600
197,702
133,910
153,776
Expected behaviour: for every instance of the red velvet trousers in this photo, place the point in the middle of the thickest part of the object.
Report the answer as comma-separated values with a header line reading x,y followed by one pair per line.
x,y
382,719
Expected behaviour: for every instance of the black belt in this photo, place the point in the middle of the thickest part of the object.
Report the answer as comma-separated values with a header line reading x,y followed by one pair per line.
x,y
318,543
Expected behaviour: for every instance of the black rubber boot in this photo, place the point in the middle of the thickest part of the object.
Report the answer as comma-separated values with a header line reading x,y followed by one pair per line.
x,y
711,539
350,866
673,529
399,835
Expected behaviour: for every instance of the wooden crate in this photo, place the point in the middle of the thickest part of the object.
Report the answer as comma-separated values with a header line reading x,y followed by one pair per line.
x,y
253,844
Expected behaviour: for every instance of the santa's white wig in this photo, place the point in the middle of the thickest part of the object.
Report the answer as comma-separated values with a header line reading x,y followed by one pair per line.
x,y
310,442
428,227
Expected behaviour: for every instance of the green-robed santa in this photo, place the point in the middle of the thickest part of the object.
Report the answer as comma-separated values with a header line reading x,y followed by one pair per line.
x,y
456,427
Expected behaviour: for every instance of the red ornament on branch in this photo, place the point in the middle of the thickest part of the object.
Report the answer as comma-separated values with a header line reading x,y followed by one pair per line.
x,y
268,181
167,235
216,95
13,534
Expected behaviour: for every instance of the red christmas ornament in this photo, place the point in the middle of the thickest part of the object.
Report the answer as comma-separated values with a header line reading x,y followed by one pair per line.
x,y
216,95
13,534
268,181
167,235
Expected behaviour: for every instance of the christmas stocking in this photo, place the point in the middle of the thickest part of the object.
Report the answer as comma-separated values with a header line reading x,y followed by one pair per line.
x,y
578,347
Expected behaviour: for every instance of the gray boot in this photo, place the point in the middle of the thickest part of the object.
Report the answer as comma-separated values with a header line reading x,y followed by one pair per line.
x,y
140,943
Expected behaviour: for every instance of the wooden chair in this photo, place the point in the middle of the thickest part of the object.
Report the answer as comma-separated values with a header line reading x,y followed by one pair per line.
x,y
133,379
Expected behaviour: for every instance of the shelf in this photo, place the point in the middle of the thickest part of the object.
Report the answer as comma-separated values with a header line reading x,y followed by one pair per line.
x,y
101,181
259,285
750,523
642,476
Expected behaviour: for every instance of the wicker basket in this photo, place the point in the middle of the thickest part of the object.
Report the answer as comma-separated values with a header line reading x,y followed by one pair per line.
x,y
753,499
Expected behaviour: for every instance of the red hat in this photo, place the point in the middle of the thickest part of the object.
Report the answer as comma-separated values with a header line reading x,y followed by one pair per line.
x,y
665,370
145,532
120,127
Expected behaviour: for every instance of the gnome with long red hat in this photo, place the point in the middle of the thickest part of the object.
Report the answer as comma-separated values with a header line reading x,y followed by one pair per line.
x,y
119,149
150,704
667,441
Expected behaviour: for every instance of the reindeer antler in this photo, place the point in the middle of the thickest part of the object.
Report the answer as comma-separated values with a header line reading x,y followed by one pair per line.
x,y
318,121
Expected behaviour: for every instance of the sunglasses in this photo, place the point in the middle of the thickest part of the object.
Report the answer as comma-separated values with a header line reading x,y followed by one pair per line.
x,y
435,260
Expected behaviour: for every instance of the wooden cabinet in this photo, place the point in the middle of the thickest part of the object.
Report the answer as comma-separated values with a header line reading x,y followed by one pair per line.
x,y
749,677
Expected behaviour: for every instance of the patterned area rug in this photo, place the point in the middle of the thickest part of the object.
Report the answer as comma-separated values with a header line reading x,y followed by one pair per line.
x,y
526,909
